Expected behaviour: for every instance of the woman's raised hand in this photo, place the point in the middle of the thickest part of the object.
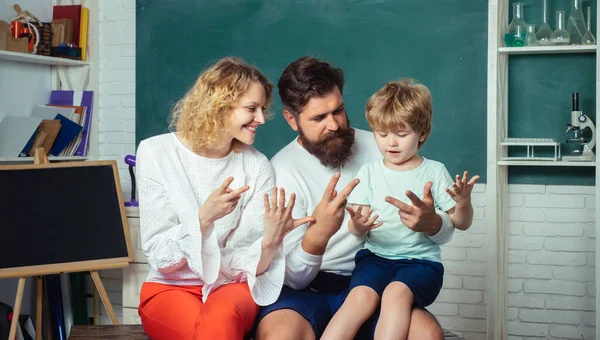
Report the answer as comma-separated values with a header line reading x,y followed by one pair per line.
x,y
221,202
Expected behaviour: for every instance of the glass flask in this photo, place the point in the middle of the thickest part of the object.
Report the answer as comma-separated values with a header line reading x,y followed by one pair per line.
x,y
544,32
518,41
576,23
517,21
588,37
530,38
560,36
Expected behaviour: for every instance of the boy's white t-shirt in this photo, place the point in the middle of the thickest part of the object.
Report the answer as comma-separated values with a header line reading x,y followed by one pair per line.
x,y
393,240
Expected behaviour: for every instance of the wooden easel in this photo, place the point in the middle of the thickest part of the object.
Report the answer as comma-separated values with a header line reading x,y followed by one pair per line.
x,y
41,158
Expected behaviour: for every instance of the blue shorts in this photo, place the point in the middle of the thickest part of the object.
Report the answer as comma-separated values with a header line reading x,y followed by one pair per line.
x,y
317,303
424,278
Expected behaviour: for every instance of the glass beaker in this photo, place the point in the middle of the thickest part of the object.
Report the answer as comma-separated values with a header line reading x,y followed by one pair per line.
x,y
530,39
517,21
588,38
544,32
517,40
576,23
560,36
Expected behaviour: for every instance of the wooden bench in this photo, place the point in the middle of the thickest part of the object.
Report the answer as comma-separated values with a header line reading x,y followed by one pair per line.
x,y
136,332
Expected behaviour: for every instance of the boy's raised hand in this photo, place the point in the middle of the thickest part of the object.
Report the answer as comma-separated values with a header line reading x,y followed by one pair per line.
x,y
362,221
461,189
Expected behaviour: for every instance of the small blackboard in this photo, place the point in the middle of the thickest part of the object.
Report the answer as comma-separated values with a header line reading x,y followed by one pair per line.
x,y
61,217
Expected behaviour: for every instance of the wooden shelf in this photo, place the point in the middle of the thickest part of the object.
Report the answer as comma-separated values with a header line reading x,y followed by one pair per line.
x,y
548,49
545,163
51,158
39,59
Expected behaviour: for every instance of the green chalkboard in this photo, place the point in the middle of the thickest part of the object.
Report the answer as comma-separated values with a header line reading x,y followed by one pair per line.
x,y
441,43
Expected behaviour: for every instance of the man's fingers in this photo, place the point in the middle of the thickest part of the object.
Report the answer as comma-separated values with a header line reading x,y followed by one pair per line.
x,y
301,221
267,205
427,191
343,195
226,184
281,198
473,180
329,190
237,192
394,201
416,201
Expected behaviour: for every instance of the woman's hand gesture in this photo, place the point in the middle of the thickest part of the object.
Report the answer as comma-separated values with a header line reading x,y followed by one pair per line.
x,y
221,202
278,217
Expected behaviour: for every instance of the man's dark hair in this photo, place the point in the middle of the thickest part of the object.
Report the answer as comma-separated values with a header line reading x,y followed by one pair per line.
x,y
306,78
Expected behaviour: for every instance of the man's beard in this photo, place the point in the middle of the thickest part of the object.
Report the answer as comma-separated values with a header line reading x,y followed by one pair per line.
x,y
334,150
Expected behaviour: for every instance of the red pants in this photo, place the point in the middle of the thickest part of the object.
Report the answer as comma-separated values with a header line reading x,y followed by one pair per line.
x,y
177,312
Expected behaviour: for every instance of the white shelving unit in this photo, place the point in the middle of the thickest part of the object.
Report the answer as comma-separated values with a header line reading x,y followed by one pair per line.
x,y
66,74
497,169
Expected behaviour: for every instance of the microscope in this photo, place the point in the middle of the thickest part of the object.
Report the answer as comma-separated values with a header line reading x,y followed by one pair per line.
x,y
579,122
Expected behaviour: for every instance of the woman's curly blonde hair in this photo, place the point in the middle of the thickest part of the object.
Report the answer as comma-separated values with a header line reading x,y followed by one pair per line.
x,y
205,112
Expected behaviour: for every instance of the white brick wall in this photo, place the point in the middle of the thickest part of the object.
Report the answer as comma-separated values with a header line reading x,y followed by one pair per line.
x,y
551,243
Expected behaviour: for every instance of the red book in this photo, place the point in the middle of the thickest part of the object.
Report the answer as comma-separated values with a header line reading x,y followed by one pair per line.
x,y
72,12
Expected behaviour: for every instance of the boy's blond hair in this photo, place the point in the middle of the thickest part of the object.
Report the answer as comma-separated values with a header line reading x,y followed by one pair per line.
x,y
205,112
399,105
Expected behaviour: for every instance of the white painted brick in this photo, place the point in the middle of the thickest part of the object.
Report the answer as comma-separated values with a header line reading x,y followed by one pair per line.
x,y
513,337
572,332
456,254
477,255
115,274
125,63
463,325
526,214
479,187
589,318
478,214
570,303
591,290
569,215
111,76
529,272
111,149
110,4
553,229
117,88
128,100
512,313
120,137
589,230
119,15
526,189
128,51
465,240
515,200
525,243
514,285
550,316
475,336
478,199
112,39
528,301
527,329
459,268
101,138
460,296
557,258
516,256
516,228
118,114
108,101
448,309
472,312
560,287
475,283
478,227
452,281
571,189
591,258
112,52
128,3
129,125
590,202
570,244
110,126
554,201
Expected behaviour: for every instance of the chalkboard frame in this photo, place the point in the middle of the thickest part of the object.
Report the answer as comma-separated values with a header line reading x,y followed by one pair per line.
x,y
78,266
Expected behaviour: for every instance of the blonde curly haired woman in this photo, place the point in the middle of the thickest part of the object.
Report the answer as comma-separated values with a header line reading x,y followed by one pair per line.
x,y
210,231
